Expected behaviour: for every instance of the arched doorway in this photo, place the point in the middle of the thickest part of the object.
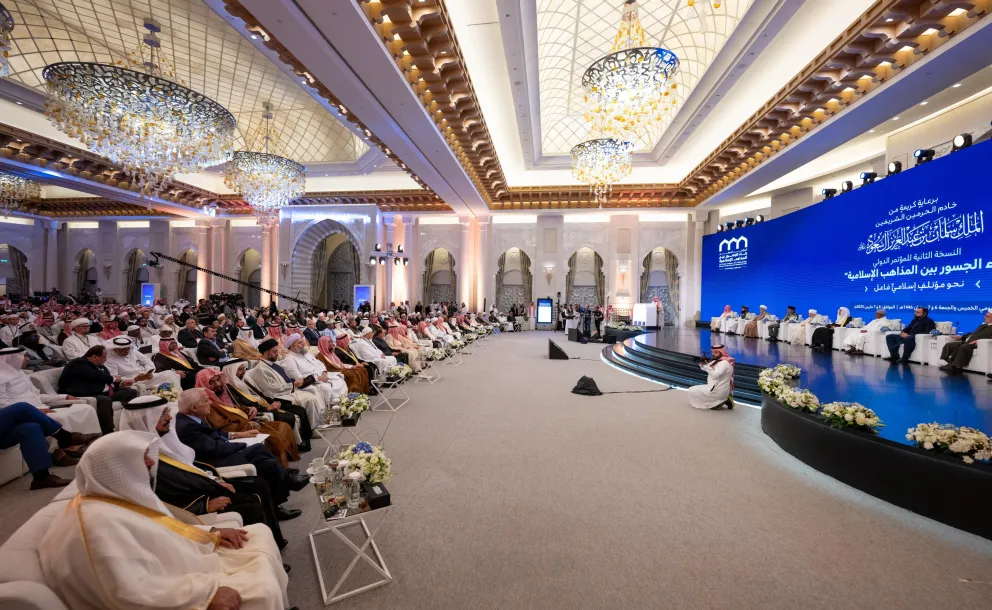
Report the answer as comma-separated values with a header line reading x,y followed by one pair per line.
x,y
186,280
585,283
86,275
440,277
514,280
336,269
660,278
135,274
14,271
307,269
250,272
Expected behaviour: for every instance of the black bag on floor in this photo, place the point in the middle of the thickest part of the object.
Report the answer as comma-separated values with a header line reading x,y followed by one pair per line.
x,y
586,387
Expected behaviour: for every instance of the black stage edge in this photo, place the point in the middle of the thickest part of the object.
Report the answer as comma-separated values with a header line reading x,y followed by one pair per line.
x,y
555,352
937,486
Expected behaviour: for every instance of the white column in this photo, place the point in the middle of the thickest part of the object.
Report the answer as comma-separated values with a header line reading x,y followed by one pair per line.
x,y
218,248
485,285
389,227
267,260
110,261
158,241
275,267
692,279
202,260
51,278
464,264
408,253
416,267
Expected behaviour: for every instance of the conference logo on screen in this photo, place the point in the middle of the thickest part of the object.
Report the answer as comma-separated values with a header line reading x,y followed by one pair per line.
x,y
733,253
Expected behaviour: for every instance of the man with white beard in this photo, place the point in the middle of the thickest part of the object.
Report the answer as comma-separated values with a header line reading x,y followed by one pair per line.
x,y
270,379
126,362
854,343
118,546
299,363
368,352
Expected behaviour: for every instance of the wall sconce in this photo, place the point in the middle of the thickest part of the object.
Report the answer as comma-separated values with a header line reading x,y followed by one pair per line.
x,y
106,271
549,271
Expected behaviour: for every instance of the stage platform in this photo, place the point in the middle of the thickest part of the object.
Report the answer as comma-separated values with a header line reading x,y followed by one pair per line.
x,y
902,395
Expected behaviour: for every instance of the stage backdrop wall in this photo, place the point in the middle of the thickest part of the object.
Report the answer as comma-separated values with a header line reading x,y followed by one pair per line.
x,y
914,239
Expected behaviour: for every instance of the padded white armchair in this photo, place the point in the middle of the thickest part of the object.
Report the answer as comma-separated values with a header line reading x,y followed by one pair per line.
x,y
47,383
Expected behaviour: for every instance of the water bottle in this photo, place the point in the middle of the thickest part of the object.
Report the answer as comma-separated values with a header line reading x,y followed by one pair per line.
x,y
354,490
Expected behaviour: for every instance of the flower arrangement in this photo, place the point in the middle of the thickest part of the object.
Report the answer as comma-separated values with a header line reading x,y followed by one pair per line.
x,y
167,391
456,344
770,380
851,414
400,371
798,399
353,404
621,325
969,443
433,354
370,460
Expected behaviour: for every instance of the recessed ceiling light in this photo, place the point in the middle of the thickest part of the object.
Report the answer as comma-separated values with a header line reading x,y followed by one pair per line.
x,y
958,11
20,104
956,85
871,131
924,103
254,37
889,20
895,118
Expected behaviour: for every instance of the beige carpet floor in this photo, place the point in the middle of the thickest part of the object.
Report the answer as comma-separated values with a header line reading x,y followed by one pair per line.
x,y
511,492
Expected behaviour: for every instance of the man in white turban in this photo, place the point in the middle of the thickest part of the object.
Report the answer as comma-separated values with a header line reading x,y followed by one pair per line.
x,y
854,343
272,381
16,387
299,363
118,546
129,364
797,333
368,352
79,340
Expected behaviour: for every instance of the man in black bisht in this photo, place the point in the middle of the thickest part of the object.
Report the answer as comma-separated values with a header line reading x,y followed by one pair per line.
x,y
921,325
87,376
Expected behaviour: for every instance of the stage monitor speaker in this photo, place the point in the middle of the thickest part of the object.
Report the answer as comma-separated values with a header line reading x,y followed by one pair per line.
x,y
610,339
574,334
555,352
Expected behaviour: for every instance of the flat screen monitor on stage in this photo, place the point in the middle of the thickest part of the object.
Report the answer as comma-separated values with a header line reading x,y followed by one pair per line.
x,y
544,307
917,238
363,294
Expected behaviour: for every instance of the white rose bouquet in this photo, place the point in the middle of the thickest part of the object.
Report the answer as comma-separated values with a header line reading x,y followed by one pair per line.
x,y
401,371
433,354
167,391
353,404
370,460
798,399
456,344
845,414
969,443
770,380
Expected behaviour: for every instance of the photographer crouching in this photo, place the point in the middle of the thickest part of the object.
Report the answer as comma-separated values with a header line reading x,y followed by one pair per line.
x,y
719,388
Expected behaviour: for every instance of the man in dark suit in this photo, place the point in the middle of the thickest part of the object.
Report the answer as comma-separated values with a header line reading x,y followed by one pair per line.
x,y
87,376
921,325
958,353
207,351
215,448
189,336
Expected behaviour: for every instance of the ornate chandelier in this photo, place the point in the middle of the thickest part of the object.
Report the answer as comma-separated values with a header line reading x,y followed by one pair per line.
x,y
267,181
137,115
601,163
6,27
15,190
629,88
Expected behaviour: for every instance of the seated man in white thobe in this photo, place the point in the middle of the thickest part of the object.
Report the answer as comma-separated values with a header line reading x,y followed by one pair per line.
x,y
299,363
10,329
797,333
271,380
368,352
854,343
719,385
79,341
15,387
126,362
118,546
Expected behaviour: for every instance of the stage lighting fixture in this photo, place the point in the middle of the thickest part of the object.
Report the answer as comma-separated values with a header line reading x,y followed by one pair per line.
x,y
406,262
378,247
748,221
719,229
847,186
382,260
829,193
895,167
961,141
399,248
739,224
730,225
396,261
923,155
868,178
372,260
759,218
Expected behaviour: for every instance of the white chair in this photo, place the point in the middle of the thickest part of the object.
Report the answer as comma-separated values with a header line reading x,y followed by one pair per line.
x,y
12,465
47,383
729,323
981,360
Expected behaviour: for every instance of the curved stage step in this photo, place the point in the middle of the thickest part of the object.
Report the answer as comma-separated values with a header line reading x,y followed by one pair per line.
x,y
644,357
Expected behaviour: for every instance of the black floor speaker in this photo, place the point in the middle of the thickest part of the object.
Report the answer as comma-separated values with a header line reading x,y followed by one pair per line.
x,y
555,352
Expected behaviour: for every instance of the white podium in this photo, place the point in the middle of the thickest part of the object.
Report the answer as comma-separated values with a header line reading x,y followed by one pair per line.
x,y
645,314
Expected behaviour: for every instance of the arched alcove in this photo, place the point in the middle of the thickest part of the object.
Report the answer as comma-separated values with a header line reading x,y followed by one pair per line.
x,y
14,271
186,277
660,278
311,254
440,277
585,283
250,271
514,279
135,274
86,275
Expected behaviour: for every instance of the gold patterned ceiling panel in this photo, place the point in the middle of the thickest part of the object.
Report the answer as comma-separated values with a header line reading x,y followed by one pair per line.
x,y
572,34
210,56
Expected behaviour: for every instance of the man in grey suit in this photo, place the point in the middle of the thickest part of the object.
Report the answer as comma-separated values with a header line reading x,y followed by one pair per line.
x,y
958,353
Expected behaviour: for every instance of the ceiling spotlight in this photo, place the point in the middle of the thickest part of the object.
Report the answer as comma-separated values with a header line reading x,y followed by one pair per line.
x,y
382,260
759,218
399,248
894,168
378,247
372,260
868,178
962,141
829,193
406,262
847,186
923,155
396,261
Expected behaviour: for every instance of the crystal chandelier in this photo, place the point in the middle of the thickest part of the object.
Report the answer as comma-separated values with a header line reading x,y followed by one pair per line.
x,y
267,181
136,114
629,88
15,190
6,27
600,163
